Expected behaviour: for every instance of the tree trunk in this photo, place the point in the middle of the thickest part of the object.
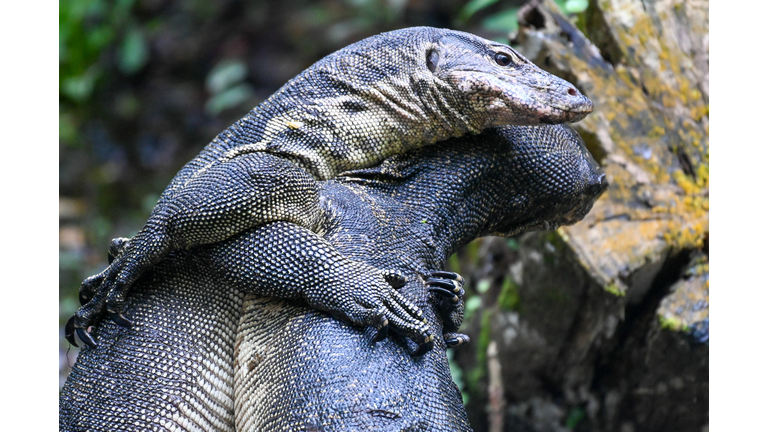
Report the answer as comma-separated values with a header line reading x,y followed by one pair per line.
x,y
604,325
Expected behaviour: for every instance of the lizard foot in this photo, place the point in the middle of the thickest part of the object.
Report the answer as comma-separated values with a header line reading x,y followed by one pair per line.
x,y
100,295
376,304
448,297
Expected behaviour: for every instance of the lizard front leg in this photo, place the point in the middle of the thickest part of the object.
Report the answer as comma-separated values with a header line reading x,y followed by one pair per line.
x,y
219,202
285,260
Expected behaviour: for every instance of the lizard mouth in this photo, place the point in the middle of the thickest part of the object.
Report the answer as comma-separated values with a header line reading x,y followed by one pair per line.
x,y
571,106
523,100
568,114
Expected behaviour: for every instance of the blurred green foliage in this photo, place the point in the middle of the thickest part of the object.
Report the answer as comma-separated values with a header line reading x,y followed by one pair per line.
x,y
509,298
227,86
87,30
504,20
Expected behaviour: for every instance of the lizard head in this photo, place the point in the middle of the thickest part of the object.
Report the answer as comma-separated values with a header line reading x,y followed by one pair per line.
x,y
500,86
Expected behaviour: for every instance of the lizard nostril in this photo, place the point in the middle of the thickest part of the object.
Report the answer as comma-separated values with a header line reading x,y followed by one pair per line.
x,y
572,91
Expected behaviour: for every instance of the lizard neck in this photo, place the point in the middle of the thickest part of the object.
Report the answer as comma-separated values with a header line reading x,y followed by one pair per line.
x,y
357,128
352,110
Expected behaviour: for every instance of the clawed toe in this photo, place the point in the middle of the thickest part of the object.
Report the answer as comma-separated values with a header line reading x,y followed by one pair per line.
x,y
444,292
425,347
69,331
453,340
120,319
382,333
442,274
446,284
86,337
448,290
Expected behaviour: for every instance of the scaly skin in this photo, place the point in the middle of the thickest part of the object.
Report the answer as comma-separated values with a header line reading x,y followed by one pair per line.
x,y
385,95
209,352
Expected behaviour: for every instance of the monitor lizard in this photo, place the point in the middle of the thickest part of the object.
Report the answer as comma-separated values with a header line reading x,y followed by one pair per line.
x,y
385,95
208,351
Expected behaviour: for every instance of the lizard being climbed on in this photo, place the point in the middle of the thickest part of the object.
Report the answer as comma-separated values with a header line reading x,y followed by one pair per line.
x,y
385,95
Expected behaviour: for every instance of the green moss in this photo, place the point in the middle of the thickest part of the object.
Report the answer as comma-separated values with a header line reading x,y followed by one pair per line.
x,y
672,323
615,290
509,298
575,416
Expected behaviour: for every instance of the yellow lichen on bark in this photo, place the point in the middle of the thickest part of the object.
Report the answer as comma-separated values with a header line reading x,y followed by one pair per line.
x,y
650,123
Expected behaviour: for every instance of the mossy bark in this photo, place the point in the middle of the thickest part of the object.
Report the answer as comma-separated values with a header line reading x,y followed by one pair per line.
x,y
610,327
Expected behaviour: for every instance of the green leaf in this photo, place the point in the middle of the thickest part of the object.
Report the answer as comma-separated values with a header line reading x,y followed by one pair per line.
x,y
472,305
99,38
226,74
575,6
483,285
79,88
229,99
473,7
133,52
504,21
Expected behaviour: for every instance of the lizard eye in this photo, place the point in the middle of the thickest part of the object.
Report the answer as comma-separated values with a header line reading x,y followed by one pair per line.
x,y
432,58
503,59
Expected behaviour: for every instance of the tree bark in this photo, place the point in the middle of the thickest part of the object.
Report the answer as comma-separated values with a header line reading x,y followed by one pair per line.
x,y
609,329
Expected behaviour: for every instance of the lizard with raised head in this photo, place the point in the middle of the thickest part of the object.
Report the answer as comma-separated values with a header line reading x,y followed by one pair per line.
x,y
202,356
385,95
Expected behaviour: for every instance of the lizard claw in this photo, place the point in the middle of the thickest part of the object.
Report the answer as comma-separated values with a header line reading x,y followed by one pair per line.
x,y
444,292
448,288
69,331
449,285
383,332
94,297
425,347
453,340
86,337
442,274
120,319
